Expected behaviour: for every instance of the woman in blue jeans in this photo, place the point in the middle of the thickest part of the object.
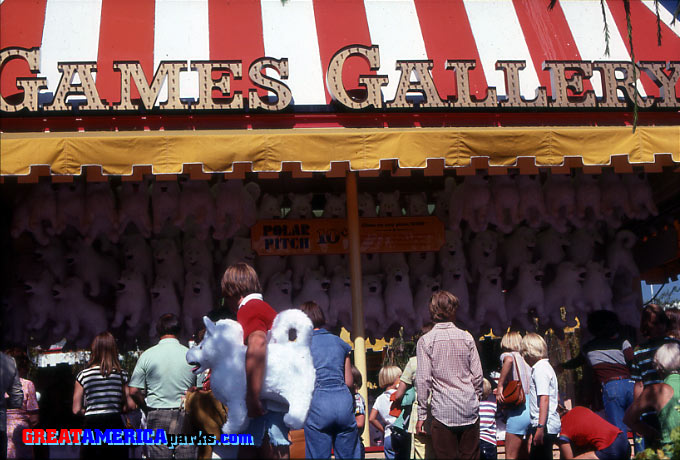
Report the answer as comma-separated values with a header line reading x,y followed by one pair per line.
x,y
330,422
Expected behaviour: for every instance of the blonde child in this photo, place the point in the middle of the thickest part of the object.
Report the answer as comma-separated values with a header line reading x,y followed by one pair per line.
x,y
543,396
359,406
388,378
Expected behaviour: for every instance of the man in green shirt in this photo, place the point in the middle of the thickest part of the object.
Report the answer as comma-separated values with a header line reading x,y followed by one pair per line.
x,y
163,374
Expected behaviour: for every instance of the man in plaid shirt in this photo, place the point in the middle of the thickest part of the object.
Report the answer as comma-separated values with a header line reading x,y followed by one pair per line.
x,y
450,370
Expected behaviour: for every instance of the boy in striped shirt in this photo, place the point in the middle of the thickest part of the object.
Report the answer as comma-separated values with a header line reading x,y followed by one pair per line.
x,y
487,423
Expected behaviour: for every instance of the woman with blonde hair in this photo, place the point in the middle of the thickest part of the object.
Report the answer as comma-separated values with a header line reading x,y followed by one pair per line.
x,y
101,393
543,396
518,418
388,378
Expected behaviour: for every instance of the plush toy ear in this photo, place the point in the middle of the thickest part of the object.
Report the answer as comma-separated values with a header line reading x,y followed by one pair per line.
x,y
209,325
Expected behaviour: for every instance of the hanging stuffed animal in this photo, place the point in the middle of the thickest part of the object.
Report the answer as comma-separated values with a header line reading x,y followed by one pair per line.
x,y
582,244
196,209
279,292
132,302
198,300
101,216
560,201
483,252
164,204
86,318
565,291
518,249
455,279
70,207
374,306
399,309
416,204
588,200
490,302
615,203
551,245
442,199
235,208
315,288
451,253
470,202
168,262
505,195
340,298
389,205
531,201
526,300
427,285
163,300
133,198
640,196
597,290
301,208
366,205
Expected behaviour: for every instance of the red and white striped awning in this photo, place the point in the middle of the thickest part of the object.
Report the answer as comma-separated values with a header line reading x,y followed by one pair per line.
x,y
309,32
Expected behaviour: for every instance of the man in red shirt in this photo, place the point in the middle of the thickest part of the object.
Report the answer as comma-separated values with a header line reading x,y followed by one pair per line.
x,y
585,432
241,289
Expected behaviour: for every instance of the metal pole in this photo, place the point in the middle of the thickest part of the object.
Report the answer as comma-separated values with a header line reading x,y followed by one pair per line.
x,y
358,331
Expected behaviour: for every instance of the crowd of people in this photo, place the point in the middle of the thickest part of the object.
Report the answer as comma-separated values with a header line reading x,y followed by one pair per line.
x,y
439,406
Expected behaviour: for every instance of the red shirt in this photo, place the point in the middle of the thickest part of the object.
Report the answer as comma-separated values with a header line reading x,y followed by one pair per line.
x,y
255,315
583,428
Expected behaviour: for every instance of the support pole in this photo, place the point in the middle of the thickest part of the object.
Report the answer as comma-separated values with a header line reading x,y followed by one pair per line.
x,y
358,332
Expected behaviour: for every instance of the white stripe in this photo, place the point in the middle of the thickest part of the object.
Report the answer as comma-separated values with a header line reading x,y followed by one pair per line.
x,y
289,30
181,34
498,35
666,17
71,33
394,26
587,27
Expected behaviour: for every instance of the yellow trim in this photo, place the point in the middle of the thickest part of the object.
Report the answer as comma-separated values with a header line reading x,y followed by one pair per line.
x,y
315,149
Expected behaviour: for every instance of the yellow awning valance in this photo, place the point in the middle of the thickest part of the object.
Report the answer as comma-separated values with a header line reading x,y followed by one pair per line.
x,y
315,149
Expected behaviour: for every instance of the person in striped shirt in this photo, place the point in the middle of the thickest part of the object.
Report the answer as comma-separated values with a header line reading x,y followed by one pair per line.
x,y
101,393
654,326
487,423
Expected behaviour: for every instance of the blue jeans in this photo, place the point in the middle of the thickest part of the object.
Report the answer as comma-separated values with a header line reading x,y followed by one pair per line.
x,y
272,424
331,423
617,396
387,448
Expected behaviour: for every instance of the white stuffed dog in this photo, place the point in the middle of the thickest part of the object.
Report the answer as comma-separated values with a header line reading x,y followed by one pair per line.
x,y
289,372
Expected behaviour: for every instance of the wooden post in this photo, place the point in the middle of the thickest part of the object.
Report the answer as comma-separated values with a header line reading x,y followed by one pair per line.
x,y
358,332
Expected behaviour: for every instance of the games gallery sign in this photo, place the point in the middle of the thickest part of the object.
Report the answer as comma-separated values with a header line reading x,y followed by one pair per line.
x,y
567,85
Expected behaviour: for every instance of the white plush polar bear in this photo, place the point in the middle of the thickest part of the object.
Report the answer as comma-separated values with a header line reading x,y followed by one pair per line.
x,y
289,372
531,201
451,253
587,200
40,301
442,199
134,207
389,205
483,252
640,196
315,288
560,201
506,203
518,249
416,204
85,318
490,301
132,301
470,202
421,263
597,291
101,216
374,305
366,204
614,204
279,292
398,298
196,209
235,207
455,280
526,299
164,203
335,206
36,212
551,246
270,207
340,298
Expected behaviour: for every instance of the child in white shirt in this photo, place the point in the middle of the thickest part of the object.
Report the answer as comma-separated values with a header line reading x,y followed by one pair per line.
x,y
543,396
388,378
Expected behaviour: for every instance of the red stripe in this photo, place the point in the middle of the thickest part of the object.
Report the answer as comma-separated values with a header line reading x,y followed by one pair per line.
x,y
339,24
548,37
236,34
21,24
447,35
644,38
126,33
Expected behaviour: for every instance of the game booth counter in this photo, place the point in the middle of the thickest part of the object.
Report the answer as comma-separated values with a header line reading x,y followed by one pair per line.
x,y
353,152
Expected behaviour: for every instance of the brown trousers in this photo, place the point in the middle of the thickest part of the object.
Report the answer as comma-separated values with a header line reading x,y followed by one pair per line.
x,y
461,442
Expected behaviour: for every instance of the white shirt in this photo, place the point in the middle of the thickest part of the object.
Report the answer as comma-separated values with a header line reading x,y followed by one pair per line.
x,y
544,382
248,298
382,405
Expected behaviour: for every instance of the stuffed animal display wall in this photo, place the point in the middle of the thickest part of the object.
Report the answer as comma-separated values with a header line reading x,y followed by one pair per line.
x,y
517,250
